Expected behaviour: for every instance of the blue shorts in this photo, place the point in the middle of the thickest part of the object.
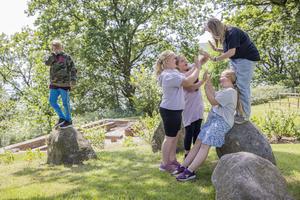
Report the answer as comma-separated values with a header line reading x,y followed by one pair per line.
x,y
213,131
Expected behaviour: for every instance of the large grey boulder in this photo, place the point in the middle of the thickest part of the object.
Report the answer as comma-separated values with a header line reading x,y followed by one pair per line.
x,y
67,146
158,138
246,137
246,176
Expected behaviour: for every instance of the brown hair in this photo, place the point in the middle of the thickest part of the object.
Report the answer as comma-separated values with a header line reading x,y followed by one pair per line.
x,y
229,73
161,61
217,29
178,58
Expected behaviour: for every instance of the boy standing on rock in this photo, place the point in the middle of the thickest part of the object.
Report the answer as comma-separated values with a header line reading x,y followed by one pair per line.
x,y
62,79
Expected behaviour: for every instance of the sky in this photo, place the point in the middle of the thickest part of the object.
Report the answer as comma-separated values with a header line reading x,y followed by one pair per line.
x,y
13,18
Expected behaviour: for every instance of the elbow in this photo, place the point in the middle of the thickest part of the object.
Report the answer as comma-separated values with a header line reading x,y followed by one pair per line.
x,y
186,83
232,52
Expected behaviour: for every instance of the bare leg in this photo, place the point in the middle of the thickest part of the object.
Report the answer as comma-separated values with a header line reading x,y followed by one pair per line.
x,y
173,149
192,154
200,157
166,149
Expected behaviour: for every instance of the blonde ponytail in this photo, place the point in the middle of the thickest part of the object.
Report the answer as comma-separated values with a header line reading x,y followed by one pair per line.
x,y
161,61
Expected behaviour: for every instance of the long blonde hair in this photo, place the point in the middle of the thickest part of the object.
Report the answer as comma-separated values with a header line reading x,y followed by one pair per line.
x,y
218,29
229,73
161,61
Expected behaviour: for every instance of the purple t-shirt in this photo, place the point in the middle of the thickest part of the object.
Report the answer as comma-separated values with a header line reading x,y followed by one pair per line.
x,y
173,96
194,107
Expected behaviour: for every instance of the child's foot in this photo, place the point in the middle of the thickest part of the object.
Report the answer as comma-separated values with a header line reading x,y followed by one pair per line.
x,y
167,168
175,163
60,122
240,119
186,175
178,170
66,124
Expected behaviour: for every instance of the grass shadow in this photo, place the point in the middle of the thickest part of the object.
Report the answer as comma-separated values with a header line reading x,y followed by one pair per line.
x,y
129,174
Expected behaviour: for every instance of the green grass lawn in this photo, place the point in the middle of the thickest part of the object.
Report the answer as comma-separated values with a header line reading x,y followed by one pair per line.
x,y
126,173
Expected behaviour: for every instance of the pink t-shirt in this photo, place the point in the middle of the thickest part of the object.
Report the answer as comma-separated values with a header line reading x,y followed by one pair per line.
x,y
194,107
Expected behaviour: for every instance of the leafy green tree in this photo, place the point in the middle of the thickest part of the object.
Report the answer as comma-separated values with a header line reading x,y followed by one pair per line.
x,y
274,28
110,38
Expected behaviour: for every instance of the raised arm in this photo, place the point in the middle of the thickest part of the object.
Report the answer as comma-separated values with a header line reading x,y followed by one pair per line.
x,y
189,80
50,59
214,47
210,92
194,87
223,56
188,73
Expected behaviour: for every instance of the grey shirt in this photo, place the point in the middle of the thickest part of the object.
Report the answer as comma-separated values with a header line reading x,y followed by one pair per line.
x,y
227,98
173,96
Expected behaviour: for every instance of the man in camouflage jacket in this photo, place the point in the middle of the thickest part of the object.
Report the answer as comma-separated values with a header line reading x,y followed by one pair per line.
x,y
62,79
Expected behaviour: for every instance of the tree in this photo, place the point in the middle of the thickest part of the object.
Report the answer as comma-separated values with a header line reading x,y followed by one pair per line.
x,y
110,38
24,75
274,29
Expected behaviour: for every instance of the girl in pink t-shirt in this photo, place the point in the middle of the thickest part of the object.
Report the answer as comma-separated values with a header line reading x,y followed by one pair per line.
x,y
193,111
172,103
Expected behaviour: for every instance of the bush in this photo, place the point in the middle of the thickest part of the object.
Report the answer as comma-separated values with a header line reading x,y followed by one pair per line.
x,y
128,142
96,136
264,94
278,124
147,93
146,126
7,157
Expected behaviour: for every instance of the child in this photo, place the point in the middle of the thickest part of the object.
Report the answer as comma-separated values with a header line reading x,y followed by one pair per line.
x,y
243,55
172,104
62,79
194,108
220,120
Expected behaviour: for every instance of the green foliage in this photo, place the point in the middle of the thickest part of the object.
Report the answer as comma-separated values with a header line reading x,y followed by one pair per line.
x,y
128,142
96,136
278,123
7,157
146,126
29,156
111,38
275,31
266,93
147,93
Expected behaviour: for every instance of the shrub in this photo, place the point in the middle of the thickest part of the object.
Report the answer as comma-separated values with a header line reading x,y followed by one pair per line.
x,y
146,126
278,124
128,142
147,92
264,94
96,136
7,158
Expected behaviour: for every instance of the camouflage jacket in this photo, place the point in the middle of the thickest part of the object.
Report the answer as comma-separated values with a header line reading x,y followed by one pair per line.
x,y
62,70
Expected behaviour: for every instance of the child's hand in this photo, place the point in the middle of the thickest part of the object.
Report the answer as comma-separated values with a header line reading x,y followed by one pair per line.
x,y
203,60
197,62
205,54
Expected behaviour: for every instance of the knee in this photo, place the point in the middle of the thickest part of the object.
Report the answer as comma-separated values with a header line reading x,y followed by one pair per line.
x,y
52,102
205,147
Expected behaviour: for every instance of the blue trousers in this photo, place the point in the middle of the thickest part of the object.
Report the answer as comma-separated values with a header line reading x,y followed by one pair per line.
x,y
65,97
244,71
